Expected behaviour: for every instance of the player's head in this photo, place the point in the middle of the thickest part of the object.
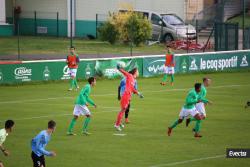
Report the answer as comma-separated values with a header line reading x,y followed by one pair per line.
x,y
206,81
9,124
72,49
52,125
168,47
134,72
197,87
92,81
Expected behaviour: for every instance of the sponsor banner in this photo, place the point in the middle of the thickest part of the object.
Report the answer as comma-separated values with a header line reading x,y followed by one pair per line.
x,y
198,62
43,71
237,153
107,68
148,66
155,65
220,62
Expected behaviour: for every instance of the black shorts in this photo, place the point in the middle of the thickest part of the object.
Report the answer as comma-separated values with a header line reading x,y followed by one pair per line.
x,y
38,161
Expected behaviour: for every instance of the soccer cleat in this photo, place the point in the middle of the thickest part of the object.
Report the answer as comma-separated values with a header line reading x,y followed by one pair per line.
x,y
86,133
169,131
118,128
197,135
71,134
163,83
127,121
122,126
187,122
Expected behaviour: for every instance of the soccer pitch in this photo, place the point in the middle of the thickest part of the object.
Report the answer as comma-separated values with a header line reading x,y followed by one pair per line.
x,y
146,143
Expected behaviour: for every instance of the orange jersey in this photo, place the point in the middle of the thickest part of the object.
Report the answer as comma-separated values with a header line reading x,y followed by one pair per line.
x,y
72,61
169,60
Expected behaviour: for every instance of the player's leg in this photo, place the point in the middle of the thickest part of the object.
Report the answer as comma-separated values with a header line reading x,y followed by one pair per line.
x,y
37,161
198,118
126,114
171,72
119,119
165,76
71,80
87,113
175,123
125,100
42,161
76,113
182,115
75,80
1,164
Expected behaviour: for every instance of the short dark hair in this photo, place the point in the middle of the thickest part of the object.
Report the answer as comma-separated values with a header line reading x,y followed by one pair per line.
x,y
197,86
205,79
9,124
51,124
72,47
133,71
91,79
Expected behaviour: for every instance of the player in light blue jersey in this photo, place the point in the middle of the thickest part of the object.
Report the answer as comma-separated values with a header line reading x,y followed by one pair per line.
x,y
39,143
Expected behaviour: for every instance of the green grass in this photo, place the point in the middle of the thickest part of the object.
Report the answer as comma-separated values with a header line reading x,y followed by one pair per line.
x,y
59,46
238,19
146,142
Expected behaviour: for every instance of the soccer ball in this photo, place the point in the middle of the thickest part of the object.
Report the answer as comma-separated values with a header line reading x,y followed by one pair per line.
x,y
121,64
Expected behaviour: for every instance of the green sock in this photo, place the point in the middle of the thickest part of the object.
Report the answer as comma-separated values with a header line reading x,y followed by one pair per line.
x,y
71,82
174,124
172,78
197,126
75,82
165,78
86,122
71,125
192,119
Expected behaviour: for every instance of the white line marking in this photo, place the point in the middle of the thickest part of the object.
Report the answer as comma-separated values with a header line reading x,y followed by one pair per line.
x,y
61,115
119,134
112,94
188,161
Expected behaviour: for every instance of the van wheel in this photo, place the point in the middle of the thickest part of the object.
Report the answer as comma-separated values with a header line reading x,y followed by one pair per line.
x,y
168,38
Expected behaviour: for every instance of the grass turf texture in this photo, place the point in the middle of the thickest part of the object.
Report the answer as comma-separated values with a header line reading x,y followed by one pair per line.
x,y
59,46
146,142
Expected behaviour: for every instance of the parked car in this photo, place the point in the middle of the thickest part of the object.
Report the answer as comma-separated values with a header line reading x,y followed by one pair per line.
x,y
167,27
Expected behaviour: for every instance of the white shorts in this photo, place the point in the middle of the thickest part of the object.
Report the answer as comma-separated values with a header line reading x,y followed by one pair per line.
x,y
185,113
72,72
81,110
168,70
201,108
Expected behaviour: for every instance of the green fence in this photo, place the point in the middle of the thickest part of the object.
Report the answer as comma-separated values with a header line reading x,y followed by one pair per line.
x,y
148,66
226,36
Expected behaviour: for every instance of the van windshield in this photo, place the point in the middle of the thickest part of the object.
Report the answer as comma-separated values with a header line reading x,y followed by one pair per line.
x,y
172,19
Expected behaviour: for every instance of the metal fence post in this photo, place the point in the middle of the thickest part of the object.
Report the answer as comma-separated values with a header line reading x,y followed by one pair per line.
x,y
57,24
35,23
237,37
226,36
215,36
18,41
196,27
243,25
96,25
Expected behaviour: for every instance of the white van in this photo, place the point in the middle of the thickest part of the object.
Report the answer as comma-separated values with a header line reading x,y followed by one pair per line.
x,y
167,27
